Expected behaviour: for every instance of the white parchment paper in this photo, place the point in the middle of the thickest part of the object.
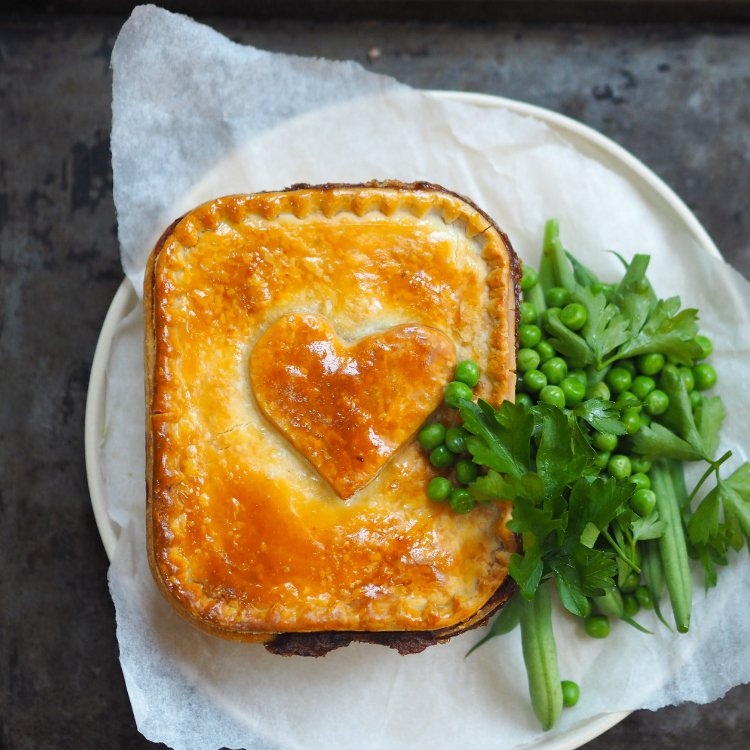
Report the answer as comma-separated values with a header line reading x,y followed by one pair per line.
x,y
196,116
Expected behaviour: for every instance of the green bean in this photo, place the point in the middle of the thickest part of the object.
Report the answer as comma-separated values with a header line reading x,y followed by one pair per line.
x,y
669,485
653,572
540,657
611,603
535,295
555,269
546,265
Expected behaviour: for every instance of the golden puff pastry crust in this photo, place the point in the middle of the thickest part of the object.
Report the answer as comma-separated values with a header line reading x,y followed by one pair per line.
x,y
295,342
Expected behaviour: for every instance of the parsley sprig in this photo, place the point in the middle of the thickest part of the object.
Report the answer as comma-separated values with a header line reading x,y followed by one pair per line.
x,y
560,506
587,523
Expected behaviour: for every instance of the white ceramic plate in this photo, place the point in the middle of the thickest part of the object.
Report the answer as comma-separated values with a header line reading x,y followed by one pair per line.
x,y
588,142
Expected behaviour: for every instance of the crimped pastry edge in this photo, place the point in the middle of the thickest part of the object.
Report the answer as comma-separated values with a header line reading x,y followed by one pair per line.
x,y
314,643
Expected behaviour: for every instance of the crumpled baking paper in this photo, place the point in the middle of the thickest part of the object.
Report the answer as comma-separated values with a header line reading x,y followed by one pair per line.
x,y
196,116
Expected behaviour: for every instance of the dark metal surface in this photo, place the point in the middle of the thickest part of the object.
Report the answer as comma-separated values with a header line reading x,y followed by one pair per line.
x,y
454,11
676,96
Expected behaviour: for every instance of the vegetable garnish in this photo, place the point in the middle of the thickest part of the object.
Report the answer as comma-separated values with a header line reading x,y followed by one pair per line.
x,y
610,403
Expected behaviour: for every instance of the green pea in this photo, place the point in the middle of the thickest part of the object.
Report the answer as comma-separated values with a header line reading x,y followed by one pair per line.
x,y
631,583
644,597
632,420
625,397
600,391
599,287
629,365
467,372
687,378
556,369
557,296
441,457
696,399
529,278
642,385
630,605
455,439
705,376
619,466
431,435
574,390
579,375
525,400
602,459
650,364
466,471
597,626
439,489
545,350
639,479
461,500
534,381
552,394
619,379
645,419
640,465
529,335
705,344
528,359
643,501
454,391
528,312
656,403
605,441
574,316
570,692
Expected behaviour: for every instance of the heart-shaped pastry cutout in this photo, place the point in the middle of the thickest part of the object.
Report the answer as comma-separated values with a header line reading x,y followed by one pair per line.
x,y
348,409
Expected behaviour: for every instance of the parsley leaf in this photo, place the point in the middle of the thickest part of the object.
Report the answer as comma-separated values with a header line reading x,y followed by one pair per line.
x,y
502,439
528,518
709,417
526,570
599,570
589,535
494,486
568,343
583,276
647,527
735,498
601,415
705,521
679,416
711,536
634,295
569,585
595,502
605,327
668,330
563,451
507,619
656,441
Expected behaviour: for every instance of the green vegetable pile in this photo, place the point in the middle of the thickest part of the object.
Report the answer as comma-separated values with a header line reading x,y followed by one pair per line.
x,y
611,402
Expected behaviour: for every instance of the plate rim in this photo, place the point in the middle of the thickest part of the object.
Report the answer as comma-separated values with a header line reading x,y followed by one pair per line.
x,y
607,151
95,425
